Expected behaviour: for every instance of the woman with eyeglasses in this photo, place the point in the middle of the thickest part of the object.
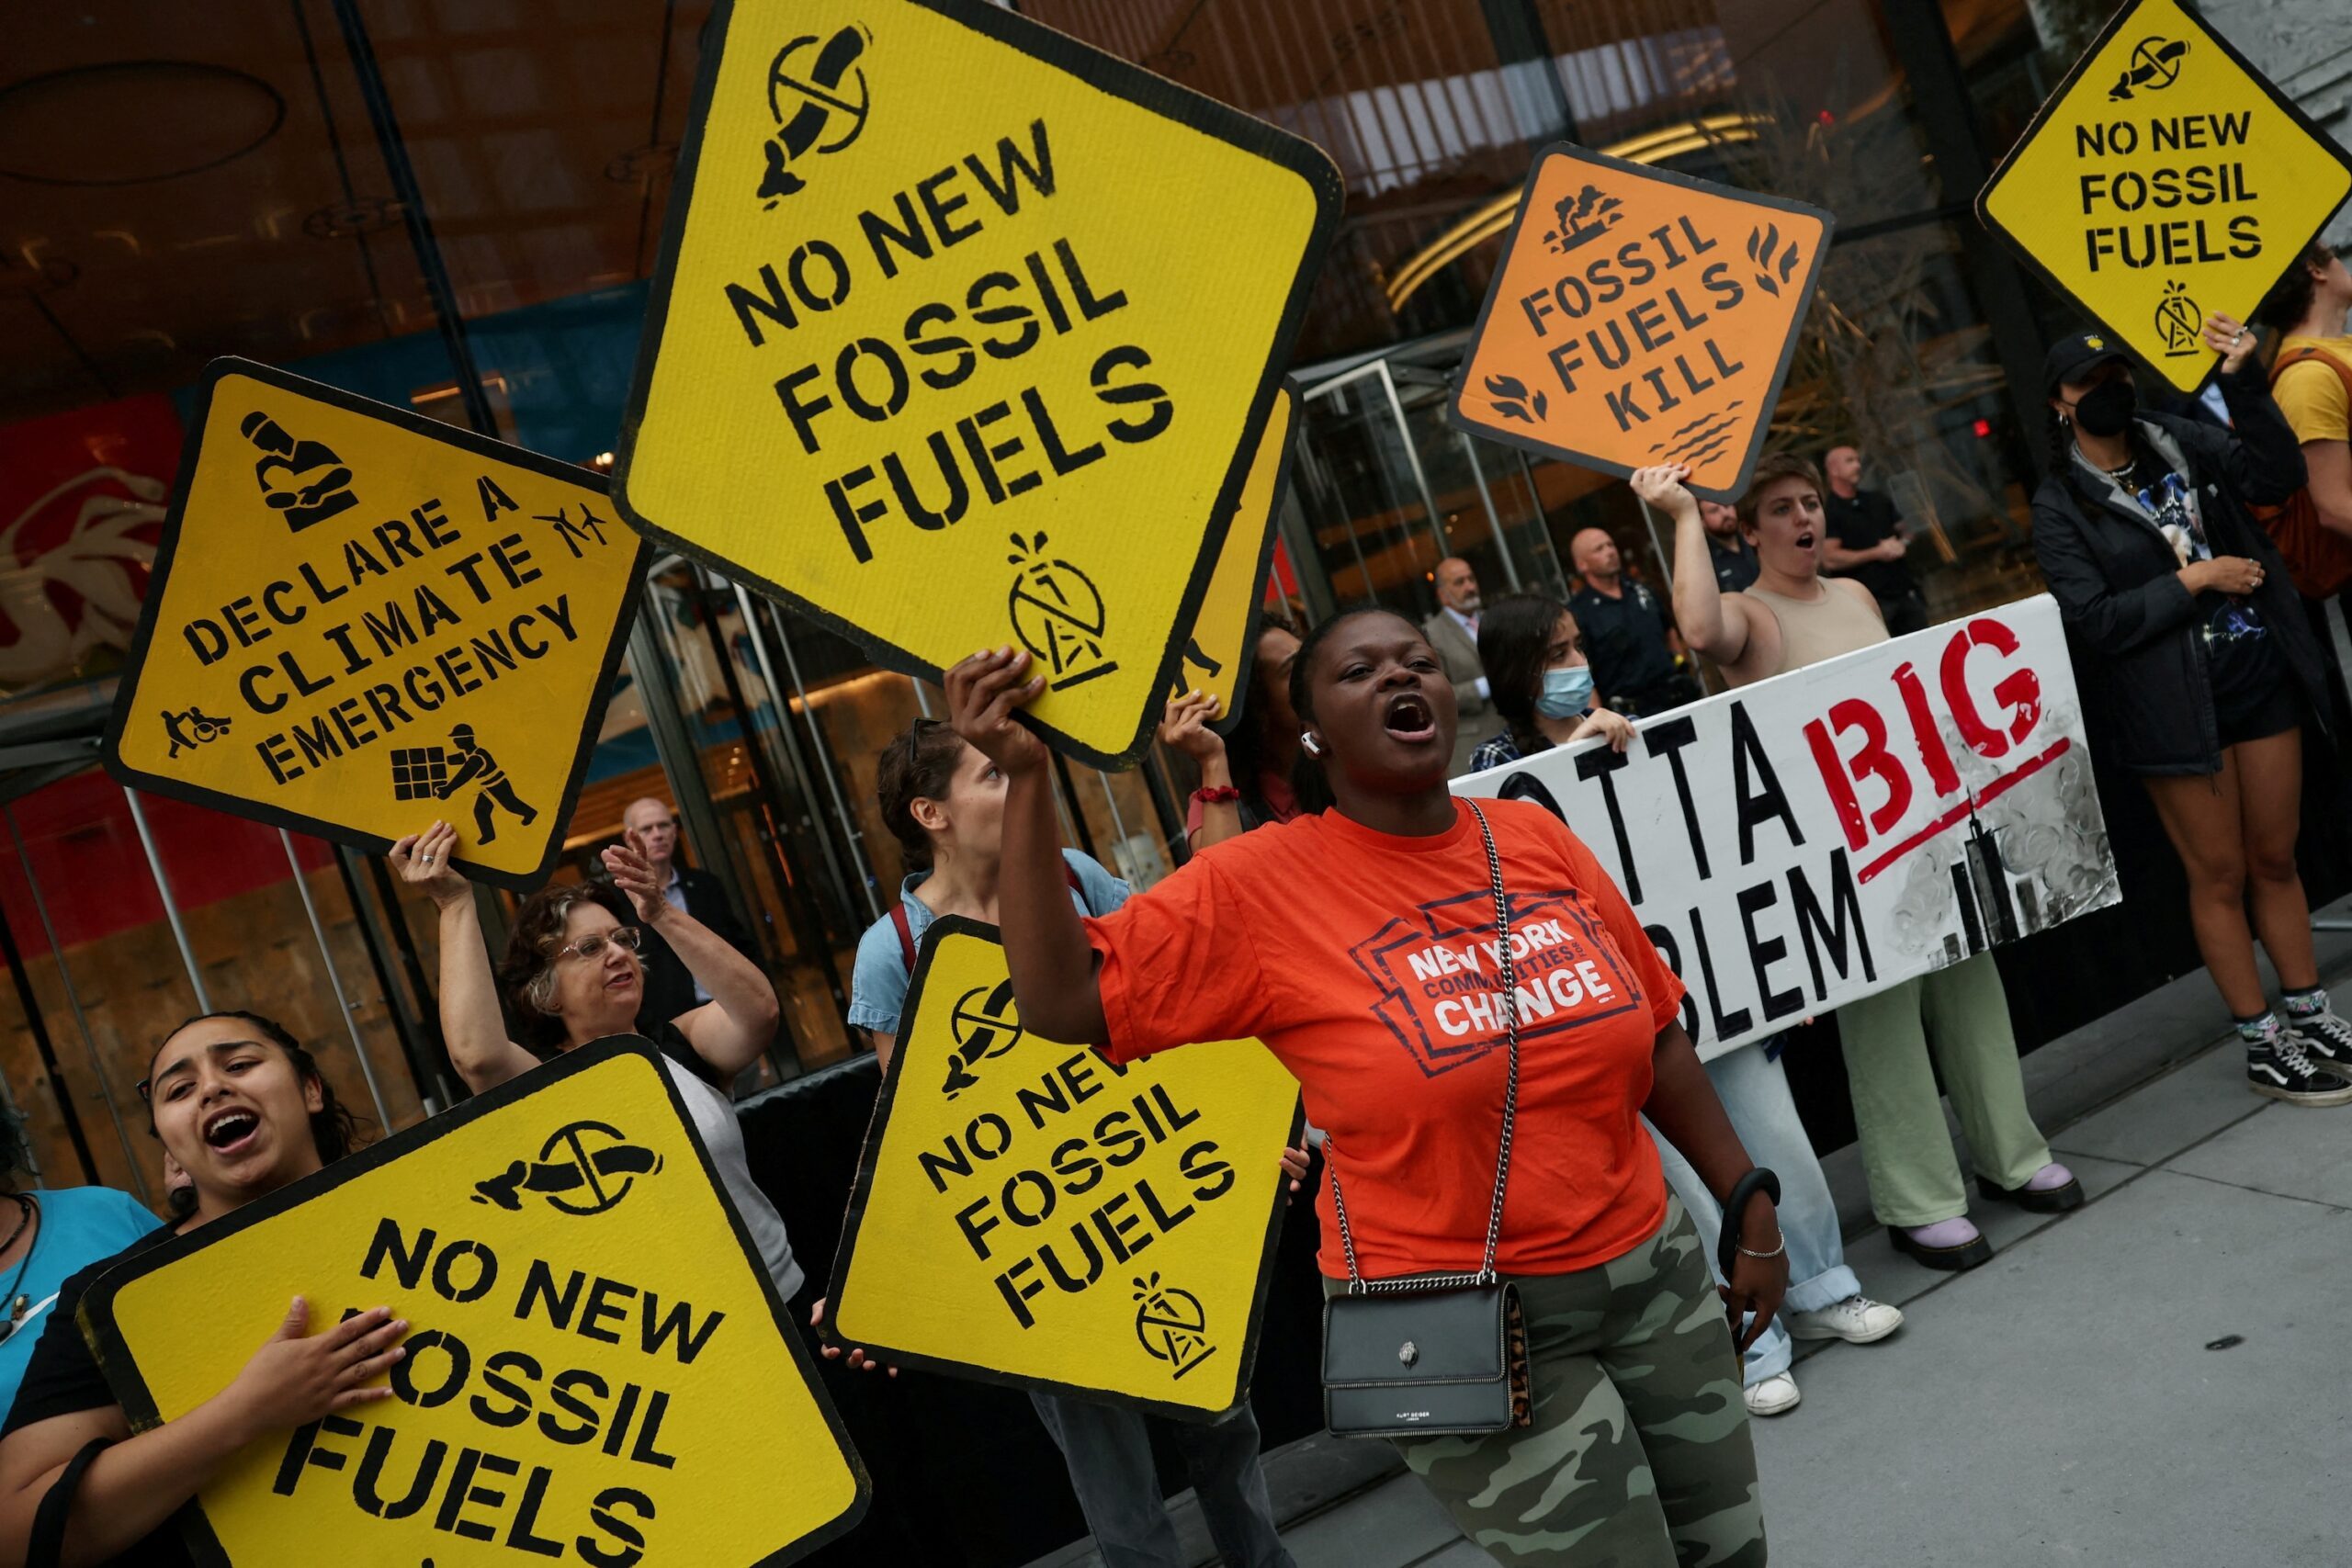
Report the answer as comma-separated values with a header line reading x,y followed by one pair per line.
x,y
571,975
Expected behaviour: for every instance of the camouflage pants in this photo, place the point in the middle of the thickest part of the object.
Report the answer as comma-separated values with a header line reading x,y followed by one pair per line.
x,y
1639,1456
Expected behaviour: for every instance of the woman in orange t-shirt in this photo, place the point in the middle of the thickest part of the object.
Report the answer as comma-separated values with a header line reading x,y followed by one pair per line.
x,y
1357,944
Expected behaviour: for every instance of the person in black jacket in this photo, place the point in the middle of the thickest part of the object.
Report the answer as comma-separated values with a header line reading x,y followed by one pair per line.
x,y
2199,668
651,830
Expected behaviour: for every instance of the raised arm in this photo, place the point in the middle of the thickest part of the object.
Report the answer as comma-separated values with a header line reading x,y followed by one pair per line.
x,y
1044,946
1186,728
137,1483
1683,1107
731,1029
1706,622
2258,454
470,1022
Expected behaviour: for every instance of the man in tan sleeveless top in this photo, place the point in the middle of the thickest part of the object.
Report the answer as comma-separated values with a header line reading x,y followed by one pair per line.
x,y
1791,617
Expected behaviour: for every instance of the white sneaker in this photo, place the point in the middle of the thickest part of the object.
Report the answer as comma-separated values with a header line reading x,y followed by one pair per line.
x,y
1776,1395
1858,1320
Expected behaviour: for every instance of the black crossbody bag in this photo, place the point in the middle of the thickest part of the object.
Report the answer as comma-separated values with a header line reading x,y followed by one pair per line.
x,y
1425,1354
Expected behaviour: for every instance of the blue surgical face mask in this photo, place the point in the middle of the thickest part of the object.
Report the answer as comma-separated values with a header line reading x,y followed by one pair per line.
x,y
1566,693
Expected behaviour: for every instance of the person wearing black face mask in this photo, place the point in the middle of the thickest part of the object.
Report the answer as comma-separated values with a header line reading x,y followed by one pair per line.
x,y
2199,669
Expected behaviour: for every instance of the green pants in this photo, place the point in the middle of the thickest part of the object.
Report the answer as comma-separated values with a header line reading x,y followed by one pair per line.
x,y
1639,1456
1963,1013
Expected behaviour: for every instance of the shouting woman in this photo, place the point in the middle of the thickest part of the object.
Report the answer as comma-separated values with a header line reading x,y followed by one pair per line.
x,y
1301,935
241,1106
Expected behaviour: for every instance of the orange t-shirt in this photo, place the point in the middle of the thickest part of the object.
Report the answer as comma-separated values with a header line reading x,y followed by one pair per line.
x,y
1366,962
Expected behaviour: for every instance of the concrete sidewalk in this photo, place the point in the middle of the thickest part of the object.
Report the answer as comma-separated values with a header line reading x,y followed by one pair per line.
x,y
2154,1380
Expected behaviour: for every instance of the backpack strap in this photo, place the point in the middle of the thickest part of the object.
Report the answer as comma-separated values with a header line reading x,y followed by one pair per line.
x,y
907,931
906,934
2288,361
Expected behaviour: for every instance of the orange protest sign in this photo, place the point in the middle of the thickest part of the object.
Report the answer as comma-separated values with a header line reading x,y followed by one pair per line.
x,y
1640,317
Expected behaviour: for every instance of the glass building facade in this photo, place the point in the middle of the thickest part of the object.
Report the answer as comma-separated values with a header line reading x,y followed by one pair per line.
x,y
453,206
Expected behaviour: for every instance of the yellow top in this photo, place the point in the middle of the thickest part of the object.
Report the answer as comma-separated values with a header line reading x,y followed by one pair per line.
x,y
2311,395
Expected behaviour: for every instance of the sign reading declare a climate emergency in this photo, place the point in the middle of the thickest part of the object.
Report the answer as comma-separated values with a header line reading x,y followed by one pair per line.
x,y
2164,181
963,336
598,1368
1028,1213
1640,317
362,620
1815,838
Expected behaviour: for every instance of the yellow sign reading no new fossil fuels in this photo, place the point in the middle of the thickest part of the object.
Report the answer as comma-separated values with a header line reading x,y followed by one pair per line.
x,y
1028,1213
964,334
599,1373
2163,181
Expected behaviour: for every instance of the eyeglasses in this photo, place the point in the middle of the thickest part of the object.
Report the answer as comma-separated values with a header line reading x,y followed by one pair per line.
x,y
627,938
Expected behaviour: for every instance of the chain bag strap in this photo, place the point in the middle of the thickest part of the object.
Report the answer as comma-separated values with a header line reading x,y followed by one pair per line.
x,y
1425,1354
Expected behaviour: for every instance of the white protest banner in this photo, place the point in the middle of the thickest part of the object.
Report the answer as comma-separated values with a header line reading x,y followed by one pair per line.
x,y
1797,844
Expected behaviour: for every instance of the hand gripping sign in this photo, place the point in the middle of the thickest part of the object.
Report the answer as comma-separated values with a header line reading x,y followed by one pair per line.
x,y
1808,840
1640,317
2164,181
1223,649
599,1370
1026,1213
362,620
963,336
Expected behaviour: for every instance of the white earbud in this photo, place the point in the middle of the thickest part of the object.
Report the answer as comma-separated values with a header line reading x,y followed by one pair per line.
x,y
1314,747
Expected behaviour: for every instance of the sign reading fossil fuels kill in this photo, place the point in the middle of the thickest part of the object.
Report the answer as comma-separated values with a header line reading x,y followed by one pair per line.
x,y
1028,1213
598,1372
1640,317
2164,181
361,620
963,336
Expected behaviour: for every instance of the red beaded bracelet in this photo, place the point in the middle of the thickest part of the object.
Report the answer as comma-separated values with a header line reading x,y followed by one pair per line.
x,y
1222,795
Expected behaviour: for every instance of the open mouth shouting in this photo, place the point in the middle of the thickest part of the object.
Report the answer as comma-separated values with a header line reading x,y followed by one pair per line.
x,y
1409,718
231,1130
1805,537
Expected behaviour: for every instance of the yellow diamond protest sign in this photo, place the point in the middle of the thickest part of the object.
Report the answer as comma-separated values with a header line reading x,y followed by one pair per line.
x,y
963,336
1028,1213
362,620
1223,647
1640,317
2166,181
598,1370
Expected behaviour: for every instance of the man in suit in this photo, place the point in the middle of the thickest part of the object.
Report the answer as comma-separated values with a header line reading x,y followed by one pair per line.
x,y
652,831
1453,632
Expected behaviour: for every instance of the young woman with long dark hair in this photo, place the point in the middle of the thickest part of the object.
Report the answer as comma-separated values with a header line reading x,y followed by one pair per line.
x,y
243,1107
2200,672
1361,945
1540,682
